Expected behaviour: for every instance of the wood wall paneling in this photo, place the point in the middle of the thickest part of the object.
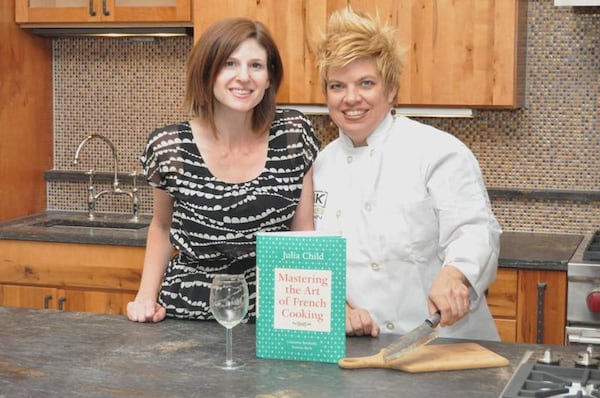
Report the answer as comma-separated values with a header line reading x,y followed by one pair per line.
x,y
25,117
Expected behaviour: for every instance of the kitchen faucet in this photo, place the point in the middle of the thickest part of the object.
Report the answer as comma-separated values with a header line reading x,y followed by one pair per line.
x,y
114,153
116,190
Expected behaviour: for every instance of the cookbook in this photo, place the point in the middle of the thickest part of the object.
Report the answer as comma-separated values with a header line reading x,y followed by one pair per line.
x,y
301,296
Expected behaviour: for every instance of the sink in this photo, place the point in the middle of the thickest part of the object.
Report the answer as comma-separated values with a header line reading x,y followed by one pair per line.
x,y
97,223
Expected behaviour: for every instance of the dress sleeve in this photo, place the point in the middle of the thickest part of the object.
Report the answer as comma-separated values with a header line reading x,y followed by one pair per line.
x,y
150,160
300,135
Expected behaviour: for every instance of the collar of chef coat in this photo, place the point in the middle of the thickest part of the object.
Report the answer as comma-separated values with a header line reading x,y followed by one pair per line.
x,y
375,138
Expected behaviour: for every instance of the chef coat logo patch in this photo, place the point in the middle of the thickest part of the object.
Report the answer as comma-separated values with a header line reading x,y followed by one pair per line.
x,y
320,201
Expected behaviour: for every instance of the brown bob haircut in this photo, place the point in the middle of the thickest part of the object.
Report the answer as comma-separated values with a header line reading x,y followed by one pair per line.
x,y
209,55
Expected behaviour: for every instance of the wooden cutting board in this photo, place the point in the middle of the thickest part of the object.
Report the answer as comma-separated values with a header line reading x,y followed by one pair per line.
x,y
432,358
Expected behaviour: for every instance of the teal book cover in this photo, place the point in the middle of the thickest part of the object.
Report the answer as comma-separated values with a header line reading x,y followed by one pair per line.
x,y
301,288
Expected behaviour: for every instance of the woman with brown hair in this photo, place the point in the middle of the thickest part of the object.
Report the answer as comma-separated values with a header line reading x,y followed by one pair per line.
x,y
239,166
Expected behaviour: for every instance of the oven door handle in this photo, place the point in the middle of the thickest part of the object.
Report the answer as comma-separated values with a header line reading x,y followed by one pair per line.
x,y
575,338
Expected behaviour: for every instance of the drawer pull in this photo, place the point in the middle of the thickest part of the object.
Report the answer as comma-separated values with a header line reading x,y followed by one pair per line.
x,y
47,299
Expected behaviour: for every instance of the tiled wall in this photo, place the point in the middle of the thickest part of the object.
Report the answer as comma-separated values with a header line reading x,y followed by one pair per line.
x,y
124,89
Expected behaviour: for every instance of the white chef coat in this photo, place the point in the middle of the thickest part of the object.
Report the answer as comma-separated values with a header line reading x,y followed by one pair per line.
x,y
409,202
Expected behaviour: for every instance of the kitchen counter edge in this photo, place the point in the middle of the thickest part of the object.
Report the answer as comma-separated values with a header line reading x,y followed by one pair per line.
x,y
539,251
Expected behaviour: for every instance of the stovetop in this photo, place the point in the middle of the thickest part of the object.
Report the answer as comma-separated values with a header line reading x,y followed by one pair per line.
x,y
566,374
588,251
592,251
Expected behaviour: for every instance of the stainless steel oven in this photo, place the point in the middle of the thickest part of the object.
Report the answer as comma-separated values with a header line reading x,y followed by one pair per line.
x,y
583,293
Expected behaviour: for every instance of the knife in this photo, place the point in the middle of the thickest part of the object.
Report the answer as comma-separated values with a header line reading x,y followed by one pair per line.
x,y
414,339
417,337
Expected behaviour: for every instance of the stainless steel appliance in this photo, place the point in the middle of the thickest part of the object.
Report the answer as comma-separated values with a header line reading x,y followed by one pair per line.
x,y
566,373
583,293
572,370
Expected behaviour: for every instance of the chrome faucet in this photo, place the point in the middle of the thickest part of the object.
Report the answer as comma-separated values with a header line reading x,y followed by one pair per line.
x,y
114,153
116,190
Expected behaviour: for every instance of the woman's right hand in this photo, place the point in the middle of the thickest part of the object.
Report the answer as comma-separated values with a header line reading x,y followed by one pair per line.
x,y
145,311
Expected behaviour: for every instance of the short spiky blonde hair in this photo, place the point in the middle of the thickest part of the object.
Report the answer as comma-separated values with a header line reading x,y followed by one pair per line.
x,y
353,35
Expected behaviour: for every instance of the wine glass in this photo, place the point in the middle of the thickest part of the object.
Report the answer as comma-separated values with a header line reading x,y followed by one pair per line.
x,y
229,305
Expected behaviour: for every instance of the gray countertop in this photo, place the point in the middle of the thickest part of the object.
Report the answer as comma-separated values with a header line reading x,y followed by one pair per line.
x,y
70,354
518,249
537,250
34,228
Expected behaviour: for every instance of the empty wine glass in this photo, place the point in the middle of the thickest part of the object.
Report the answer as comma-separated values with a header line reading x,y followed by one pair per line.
x,y
229,305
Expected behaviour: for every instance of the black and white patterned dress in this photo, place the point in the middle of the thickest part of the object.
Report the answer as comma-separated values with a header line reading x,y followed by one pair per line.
x,y
214,223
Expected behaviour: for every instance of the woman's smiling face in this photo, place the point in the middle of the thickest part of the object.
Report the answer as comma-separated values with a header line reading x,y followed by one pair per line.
x,y
357,98
242,81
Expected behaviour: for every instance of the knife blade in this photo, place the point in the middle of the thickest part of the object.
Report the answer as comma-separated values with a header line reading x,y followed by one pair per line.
x,y
417,337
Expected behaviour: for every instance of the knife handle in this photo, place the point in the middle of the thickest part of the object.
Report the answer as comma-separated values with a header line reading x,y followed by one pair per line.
x,y
434,319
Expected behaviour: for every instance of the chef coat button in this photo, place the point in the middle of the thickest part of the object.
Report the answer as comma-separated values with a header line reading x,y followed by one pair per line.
x,y
349,159
368,206
372,152
375,266
338,214
389,325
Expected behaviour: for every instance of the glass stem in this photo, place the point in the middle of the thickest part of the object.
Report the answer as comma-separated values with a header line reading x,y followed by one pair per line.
x,y
228,353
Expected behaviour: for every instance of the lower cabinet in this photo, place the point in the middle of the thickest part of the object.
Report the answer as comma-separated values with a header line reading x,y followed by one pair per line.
x,y
104,302
502,301
529,306
70,277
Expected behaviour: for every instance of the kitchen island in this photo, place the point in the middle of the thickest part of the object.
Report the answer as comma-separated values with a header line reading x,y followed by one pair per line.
x,y
70,354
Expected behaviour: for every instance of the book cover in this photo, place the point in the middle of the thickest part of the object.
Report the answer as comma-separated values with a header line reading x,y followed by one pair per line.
x,y
301,303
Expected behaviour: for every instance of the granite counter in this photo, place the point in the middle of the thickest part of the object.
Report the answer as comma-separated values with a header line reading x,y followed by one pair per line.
x,y
518,249
53,353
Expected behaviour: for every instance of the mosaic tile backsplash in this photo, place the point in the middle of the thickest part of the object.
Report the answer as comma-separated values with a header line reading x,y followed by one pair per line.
x,y
123,89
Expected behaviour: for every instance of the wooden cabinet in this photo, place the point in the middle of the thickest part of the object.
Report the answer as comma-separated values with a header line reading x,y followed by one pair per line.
x,y
468,53
25,117
529,306
502,301
66,276
542,306
294,24
102,11
83,300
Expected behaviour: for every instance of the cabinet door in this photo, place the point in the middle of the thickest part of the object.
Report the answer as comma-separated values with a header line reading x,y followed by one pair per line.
x,y
458,53
295,26
542,306
36,297
150,11
103,302
40,297
56,11
92,11
502,301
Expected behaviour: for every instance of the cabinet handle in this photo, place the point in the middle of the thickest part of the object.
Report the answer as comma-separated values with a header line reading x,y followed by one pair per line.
x,y
91,8
47,299
61,301
105,9
541,290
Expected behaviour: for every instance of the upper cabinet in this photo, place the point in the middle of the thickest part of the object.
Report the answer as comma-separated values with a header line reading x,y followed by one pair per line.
x,y
295,26
102,11
468,53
